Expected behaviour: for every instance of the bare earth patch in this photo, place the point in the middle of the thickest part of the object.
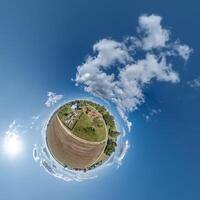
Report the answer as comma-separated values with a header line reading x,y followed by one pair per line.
x,y
69,151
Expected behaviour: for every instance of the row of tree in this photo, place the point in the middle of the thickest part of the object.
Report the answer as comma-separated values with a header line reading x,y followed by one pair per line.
x,y
110,147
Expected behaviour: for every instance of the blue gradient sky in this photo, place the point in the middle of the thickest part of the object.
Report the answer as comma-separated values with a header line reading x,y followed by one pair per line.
x,y
42,42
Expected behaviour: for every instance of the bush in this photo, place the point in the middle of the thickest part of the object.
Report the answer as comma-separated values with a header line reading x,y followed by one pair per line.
x,y
113,133
110,147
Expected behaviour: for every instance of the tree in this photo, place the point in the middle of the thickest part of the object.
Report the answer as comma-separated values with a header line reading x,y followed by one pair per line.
x,y
113,133
110,147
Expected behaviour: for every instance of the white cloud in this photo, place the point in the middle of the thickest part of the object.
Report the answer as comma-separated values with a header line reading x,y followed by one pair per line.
x,y
152,113
12,125
52,99
195,83
154,35
35,117
147,117
110,51
183,50
116,73
122,153
35,153
57,170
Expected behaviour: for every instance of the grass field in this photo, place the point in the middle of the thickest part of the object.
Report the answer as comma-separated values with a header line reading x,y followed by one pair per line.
x,y
90,129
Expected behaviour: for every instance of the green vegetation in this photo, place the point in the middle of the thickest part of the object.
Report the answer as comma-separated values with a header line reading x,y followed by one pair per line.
x,y
95,165
113,134
110,123
90,129
87,125
108,118
90,121
64,111
110,147
83,120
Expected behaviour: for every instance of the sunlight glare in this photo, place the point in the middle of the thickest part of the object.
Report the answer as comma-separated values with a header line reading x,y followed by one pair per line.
x,y
12,144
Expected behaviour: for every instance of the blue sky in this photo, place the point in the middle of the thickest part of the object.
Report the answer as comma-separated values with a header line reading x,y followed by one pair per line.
x,y
41,45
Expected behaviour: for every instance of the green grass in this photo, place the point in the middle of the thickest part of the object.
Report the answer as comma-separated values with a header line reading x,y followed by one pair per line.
x,y
64,110
90,129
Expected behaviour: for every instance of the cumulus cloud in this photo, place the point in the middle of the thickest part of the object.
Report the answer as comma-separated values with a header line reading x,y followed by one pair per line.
x,y
154,35
195,83
116,72
53,98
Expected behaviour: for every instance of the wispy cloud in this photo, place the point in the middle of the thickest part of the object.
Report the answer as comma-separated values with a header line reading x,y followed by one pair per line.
x,y
35,153
53,98
122,153
116,72
152,113
55,169
34,119
195,83
183,50
14,127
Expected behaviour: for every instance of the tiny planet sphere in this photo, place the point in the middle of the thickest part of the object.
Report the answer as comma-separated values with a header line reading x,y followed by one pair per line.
x,y
81,135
